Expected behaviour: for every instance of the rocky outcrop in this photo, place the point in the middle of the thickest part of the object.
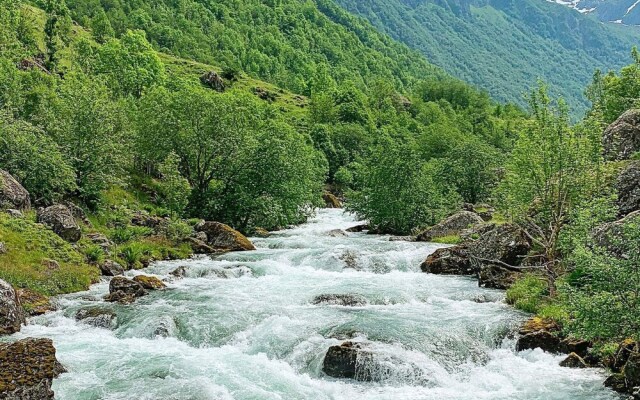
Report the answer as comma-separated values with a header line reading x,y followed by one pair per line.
x,y
123,290
449,261
149,282
626,367
223,237
12,194
631,369
34,303
11,312
628,188
98,317
348,300
111,268
60,219
453,225
28,369
506,243
342,361
573,361
213,80
144,219
331,201
608,235
622,138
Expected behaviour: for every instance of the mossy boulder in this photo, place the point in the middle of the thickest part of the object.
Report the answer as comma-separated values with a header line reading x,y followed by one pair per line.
x,y
12,194
223,237
34,303
622,138
573,361
628,188
97,316
123,290
11,313
149,282
28,369
449,261
60,219
452,225
331,201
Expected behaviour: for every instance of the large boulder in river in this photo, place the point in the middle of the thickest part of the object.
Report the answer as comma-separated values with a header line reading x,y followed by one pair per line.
x,y
111,268
540,333
12,194
628,188
124,290
11,312
149,282
34,303
60,219
223,237
451,226
97,316
449,261
349,300
331,201
28,369
622,138
341,361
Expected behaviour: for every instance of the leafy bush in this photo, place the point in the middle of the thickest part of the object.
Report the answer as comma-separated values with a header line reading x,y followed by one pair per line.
x,y
529,293
94,254
123,234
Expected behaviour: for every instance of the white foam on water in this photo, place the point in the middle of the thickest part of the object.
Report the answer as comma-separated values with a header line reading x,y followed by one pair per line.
x,y
243,326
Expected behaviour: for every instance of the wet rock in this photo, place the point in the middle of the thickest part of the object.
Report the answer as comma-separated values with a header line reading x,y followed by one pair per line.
x,y
124,290
622,138
402,239
213,80
149,282
221,236
337,233
453,225
449,261
616,382
331,201
60,219
347,300
358,228
628,188
28,369
12,193
111,268
621,356
34,303
342,361
179,272
573,361
98,317
631,369
200,247
350,259
496,277
577,346
261,232
539,333
11,312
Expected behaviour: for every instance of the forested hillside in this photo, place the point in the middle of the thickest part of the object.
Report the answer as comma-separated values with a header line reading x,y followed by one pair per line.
x,y
504,46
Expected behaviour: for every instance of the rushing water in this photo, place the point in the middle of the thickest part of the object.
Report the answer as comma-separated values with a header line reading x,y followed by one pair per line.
x,y
242,326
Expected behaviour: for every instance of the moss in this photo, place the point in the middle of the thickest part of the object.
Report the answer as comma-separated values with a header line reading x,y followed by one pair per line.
x,y
29,245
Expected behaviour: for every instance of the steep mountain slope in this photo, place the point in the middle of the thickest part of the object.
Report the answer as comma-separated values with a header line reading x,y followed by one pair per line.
x,y
504,46
619,11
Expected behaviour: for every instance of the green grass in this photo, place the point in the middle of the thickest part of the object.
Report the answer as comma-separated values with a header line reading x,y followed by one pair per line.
x,y
29,244
451,239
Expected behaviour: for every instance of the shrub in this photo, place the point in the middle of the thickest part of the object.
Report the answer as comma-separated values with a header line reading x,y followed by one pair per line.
x,y
528,293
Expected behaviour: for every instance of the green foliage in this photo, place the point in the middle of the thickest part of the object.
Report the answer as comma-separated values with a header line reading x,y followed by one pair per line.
x,y
35,160
94,254
528,294
56,30
398,192
123,234
174,188
451,239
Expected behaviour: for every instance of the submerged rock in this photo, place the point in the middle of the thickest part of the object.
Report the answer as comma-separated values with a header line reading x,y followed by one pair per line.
x,y
179,272
12,194
449,261
60,219
28,369
453,225
124,290
34,303
97,316
348,300
149,282
573,361
622,138
11,313
341,361
337,233
221,236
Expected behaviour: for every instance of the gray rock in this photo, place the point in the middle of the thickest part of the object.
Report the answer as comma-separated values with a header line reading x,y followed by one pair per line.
x,y
622,138
3,248
343,361
449,261
12,193
608,235
628,187
15,213
60,219
124,290
453,225
179,272
337,233
101,240
11,313
111,268
496,277
221,236
573,361
98,317
213,80
347,300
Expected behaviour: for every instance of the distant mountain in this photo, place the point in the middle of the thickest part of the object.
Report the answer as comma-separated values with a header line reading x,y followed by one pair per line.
x,y
618,11
504,46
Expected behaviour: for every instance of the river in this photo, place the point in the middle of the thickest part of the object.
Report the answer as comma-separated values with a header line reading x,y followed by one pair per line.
x,y
242,326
